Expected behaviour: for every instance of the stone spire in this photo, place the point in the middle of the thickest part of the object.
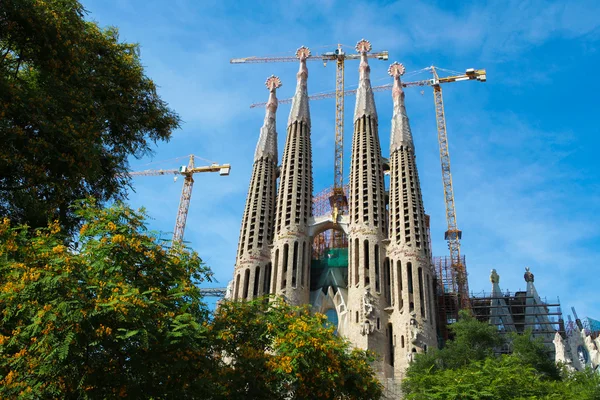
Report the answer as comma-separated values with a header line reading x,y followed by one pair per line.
x,y
406,211
300,110
252,275
412,304
367,216
291,245
365,102
267,141
400,135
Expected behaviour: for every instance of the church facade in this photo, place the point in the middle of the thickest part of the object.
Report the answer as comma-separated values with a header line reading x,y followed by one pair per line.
x,y
382,296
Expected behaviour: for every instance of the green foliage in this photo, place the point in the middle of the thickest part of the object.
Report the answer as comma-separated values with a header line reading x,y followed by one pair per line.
x,y
530,351
468,369
275,351
118,313
74,105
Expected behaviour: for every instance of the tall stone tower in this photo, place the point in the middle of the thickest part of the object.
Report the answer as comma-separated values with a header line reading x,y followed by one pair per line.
x,y
412,315
382,298
367,218
291,246
253,268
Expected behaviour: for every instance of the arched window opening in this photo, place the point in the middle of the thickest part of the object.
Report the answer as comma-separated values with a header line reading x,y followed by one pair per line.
x,y
237,287
399,277
366,256
275,273
267,278
332,318
294,264
246,282
377,281
284,266
256,281
402,341
356,258
421,294
410,278
391,343
303,263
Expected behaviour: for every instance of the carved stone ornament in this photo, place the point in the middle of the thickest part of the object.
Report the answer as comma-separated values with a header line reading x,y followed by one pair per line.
x,y
367,313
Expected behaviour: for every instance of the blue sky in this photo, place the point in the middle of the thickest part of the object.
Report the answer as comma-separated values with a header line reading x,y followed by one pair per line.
x,y
523,145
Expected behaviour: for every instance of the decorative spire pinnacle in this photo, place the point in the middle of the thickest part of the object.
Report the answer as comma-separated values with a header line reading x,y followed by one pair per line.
x,y
267,141
401,134
494,277
528,275
365,103
300,111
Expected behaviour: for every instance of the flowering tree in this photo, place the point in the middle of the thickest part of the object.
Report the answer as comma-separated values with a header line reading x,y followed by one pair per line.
x,y
115,314
118,313
276,351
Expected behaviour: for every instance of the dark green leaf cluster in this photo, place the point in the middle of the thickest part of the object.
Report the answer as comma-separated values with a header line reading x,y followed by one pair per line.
x,y
74,105
468,368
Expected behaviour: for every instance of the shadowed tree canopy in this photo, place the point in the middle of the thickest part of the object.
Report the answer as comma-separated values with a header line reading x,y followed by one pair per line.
x,y
469,368
74,105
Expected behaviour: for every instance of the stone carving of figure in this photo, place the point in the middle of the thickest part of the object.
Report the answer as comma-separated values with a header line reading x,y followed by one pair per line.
x,y
414,329
367,313
494,277
367,301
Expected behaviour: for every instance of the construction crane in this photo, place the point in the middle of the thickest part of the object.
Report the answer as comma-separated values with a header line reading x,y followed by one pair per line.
x,y
338,199
186,193
453,235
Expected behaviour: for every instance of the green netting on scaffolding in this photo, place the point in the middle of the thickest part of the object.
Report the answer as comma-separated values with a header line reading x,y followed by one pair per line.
x,y
332,258
330,270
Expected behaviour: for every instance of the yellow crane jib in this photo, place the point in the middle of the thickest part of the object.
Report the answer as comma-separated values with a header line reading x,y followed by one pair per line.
x,y
188,172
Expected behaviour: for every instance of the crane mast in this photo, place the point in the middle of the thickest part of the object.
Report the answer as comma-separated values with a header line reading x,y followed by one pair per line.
x,y
453,234
184,203
186,193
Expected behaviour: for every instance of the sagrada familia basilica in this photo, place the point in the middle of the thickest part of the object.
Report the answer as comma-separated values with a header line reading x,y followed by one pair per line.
x,y
386,300
383,294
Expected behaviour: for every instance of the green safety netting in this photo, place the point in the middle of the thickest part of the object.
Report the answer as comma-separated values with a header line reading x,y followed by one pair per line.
x,y
330,270
333,258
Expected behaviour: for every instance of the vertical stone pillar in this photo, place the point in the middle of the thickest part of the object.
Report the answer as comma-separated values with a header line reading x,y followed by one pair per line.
x,y
291,246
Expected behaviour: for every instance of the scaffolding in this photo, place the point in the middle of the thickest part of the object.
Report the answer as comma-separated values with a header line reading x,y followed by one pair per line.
x,y
448,293
324,241
519,311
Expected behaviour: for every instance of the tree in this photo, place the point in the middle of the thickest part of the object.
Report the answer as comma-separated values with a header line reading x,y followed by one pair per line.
x,y
468,368
116,314
276,351
74,105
